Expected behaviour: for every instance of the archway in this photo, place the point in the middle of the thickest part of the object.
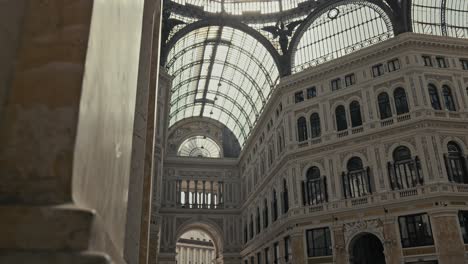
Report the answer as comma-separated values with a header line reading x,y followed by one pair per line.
x,y
366,249
195,247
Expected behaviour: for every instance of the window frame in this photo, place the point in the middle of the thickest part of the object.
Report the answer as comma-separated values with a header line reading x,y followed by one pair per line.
x,y
326,248
427,60
393,65
378,70
298,97
412,241
335,84
464,64
311,92
350,79
441,62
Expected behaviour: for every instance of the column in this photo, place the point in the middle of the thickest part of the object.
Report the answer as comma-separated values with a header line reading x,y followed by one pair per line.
x,y
187,195
196,193
298,248
447,238
204,194
212,195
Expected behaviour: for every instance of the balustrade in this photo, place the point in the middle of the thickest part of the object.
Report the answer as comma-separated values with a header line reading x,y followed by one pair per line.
x,y
200,194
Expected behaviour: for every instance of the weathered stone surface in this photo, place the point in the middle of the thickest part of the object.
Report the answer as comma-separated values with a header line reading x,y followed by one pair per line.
x,y
45,228
448,241
20,257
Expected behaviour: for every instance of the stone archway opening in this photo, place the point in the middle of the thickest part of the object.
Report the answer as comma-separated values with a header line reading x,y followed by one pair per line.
x,y
366,248
199,243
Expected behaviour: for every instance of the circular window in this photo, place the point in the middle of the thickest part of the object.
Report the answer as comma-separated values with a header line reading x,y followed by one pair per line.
x,y
333,13
199,146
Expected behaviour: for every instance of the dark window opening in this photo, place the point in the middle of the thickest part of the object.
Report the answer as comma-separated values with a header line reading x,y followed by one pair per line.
x,y
463,219
356,181
311,92
355,109
464,64
336,84
274,207
448,98
434,95
427,60
377,70
319,242
441,62
456,164
405,171
302,129
393,65
340,115
287,249
415,230
315,125
384,106
350,79
401,102
314,188
299,97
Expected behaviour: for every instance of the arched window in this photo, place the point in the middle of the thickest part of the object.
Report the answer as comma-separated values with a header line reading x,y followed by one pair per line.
x,y
434,95
315,125
274,206
341,30
265,213
355,109
356,182
401,102
302,129
314,188
384,106
448,98
258,220
340,114
285,197
251,227
405,171
456,164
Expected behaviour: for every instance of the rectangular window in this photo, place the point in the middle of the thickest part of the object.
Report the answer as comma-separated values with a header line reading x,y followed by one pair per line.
x,y
276,253
267,256
427,60
319,242
336,84
415,230
287,249
252,260
311,92
463,218
464,64
441,62
259,257
393,65
377,70
350,79
299,97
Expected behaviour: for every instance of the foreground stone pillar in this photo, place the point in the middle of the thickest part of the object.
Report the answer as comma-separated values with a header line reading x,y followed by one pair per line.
x,y
298,248
392,249
66,132
447,239
339,249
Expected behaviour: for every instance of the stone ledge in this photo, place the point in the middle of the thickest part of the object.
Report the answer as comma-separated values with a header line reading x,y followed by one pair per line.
x,y
45,257
64,227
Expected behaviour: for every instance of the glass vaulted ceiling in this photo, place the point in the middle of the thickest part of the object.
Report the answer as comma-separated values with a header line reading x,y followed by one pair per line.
x,y
221,73
239,7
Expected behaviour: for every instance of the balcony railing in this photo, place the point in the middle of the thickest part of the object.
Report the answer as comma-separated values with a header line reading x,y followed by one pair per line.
x,y
405,174
314,192
356,183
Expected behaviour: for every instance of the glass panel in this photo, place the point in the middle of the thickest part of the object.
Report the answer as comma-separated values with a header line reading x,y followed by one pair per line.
x,y
221,73
340,31
199,146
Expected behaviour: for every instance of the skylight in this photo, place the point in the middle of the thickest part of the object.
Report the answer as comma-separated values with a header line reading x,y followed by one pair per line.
x,y
199,146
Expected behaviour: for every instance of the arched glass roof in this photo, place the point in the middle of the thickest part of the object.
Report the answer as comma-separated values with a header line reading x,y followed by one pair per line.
x,y
199,146
440,17
339,30
221,73
239,7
